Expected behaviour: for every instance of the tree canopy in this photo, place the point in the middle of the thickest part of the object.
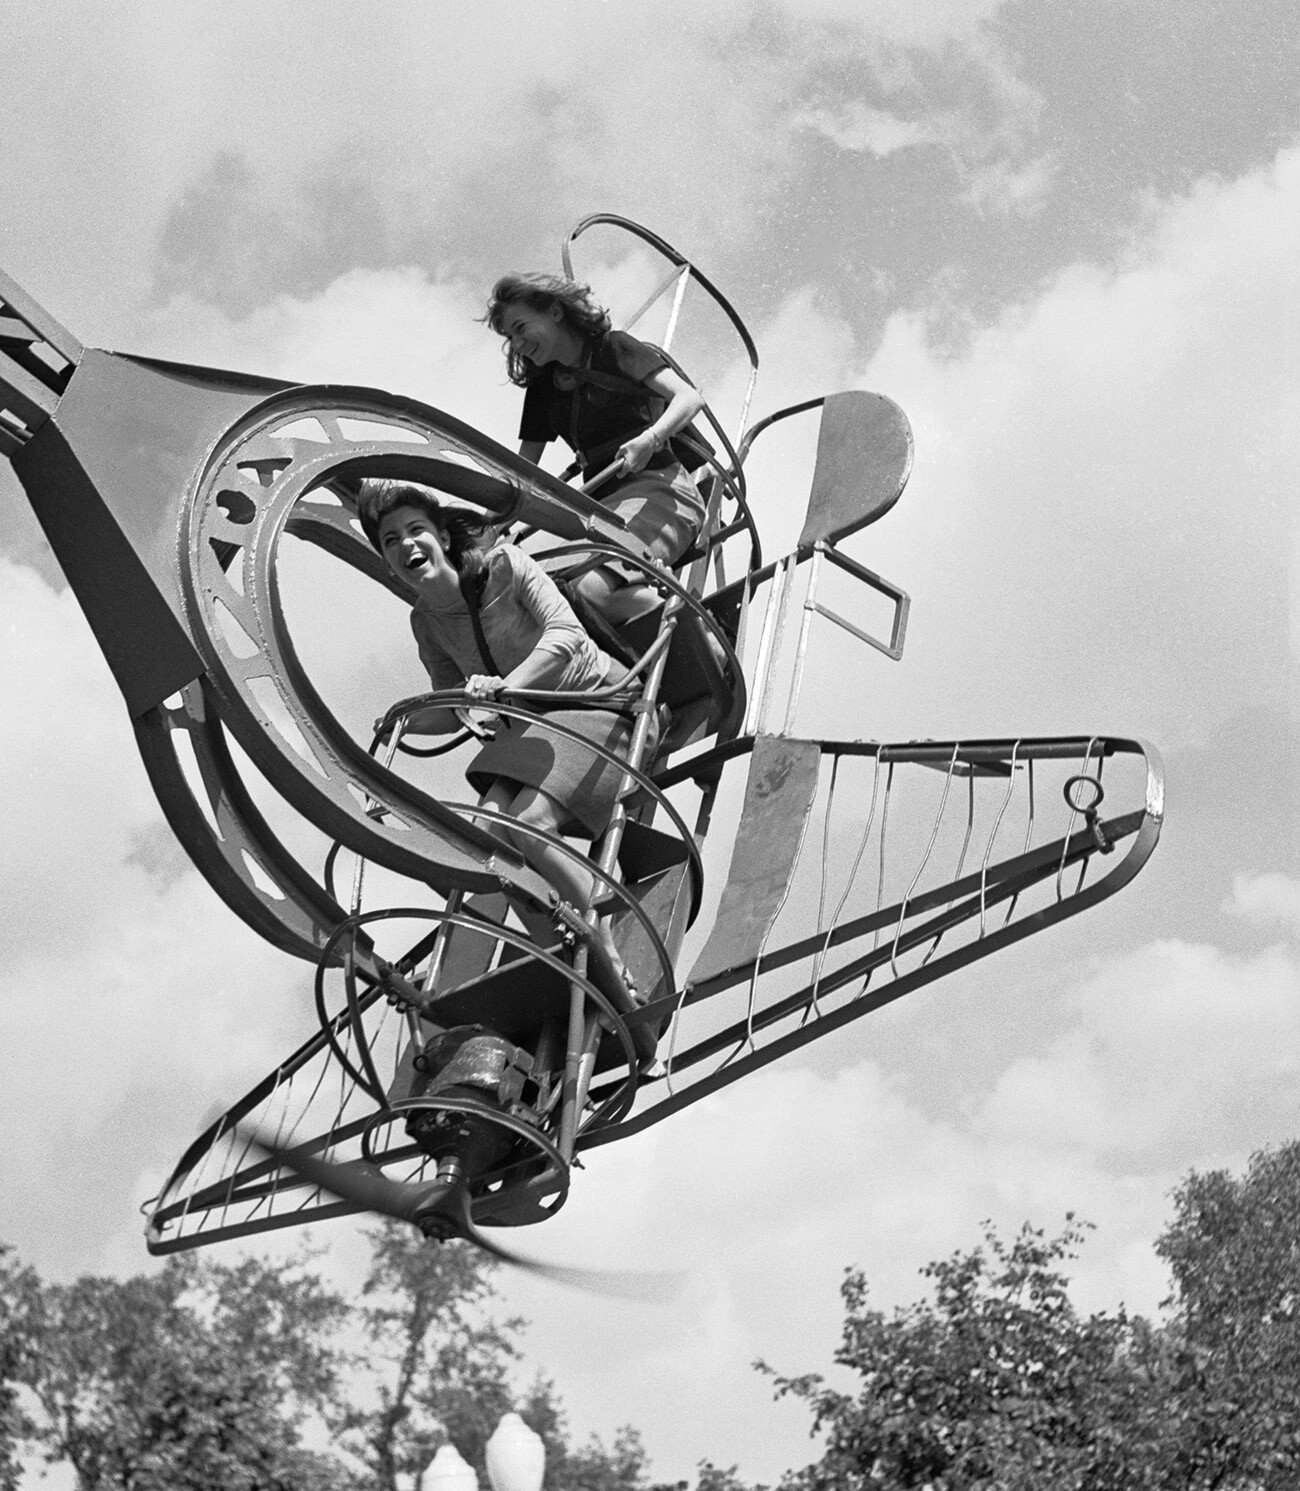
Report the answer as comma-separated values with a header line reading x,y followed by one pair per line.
x,y
996,1380
256,1375
200,1375
1233,1249
433,1368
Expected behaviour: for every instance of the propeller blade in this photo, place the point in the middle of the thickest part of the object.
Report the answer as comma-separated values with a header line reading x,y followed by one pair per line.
x,y
356,1181
654,1287
365,1185
650,1288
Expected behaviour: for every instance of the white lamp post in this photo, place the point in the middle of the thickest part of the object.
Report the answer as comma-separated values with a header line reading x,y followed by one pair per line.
x,y
516,1460
516,1457
448,1472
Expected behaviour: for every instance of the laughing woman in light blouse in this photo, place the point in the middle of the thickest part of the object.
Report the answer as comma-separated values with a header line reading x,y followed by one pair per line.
x,y
533,641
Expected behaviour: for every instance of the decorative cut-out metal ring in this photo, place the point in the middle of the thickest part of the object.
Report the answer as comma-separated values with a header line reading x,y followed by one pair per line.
x,y
281,458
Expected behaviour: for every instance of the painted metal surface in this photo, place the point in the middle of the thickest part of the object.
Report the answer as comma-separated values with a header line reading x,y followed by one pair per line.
x,y
864,458
779,792
106,475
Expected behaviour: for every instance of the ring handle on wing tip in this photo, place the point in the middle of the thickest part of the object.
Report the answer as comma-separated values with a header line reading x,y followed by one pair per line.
x,y
1083,781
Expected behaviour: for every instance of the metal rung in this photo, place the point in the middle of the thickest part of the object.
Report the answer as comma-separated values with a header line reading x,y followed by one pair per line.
x,y
23,395
39,319
12,329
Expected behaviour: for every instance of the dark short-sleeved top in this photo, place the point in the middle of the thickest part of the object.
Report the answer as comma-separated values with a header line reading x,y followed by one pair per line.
x,y
603,418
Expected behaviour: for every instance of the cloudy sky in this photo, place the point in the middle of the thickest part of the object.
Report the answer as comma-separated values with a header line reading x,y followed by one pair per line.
x,y
1066,240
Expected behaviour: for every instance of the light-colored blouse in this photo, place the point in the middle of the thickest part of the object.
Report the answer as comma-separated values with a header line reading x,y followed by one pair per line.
x,y
521,612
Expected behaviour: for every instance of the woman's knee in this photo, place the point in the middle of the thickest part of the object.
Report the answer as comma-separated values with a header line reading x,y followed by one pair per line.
x,y
533,807
501,796
597,585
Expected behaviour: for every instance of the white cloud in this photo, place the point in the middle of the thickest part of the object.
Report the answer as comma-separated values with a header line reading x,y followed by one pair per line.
x,y
131,1000
931,26
1075,557
428,136
982,128
396,328
996,176
857,126
1176,1049
65,733
1098,533
1003,187
1264,899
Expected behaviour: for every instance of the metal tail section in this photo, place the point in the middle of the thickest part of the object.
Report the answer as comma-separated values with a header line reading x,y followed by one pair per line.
x,y
914,860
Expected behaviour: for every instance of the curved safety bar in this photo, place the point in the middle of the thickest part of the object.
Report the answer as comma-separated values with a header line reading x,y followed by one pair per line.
x,y
732,478
541,836
222,841
757,428
662,246
518,940
658,576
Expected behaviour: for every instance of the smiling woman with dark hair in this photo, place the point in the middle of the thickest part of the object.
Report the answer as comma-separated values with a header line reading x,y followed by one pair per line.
x,y
611,398
526,637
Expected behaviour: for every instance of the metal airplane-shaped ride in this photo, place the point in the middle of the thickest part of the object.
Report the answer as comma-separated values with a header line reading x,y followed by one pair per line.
x,y
474,1038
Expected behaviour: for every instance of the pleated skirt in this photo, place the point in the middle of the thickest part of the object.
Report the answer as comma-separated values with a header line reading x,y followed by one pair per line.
x,y
584,784
660,507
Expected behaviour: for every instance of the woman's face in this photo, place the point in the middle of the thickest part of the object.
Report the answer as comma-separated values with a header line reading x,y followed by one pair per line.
x,y
415,549
539,335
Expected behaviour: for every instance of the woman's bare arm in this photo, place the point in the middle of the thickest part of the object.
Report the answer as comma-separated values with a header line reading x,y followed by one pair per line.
x,y
684,403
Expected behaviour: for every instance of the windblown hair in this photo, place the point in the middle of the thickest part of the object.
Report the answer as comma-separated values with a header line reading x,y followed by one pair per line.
x,y
581,311
468,536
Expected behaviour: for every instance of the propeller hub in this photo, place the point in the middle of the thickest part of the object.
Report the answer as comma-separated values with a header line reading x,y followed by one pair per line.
x,y
450,1169
445,1213
438,1228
